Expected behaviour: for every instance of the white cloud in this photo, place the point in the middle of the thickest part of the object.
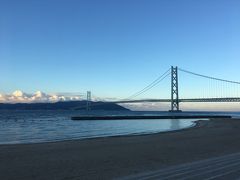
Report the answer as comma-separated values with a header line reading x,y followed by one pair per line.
x,y
40,96
18,93
20,97
17,96
2,97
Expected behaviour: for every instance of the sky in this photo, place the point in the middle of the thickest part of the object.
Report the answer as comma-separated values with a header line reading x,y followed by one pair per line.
x,y
115,48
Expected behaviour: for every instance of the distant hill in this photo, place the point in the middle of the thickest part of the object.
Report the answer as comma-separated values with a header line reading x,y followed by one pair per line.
x,y
68,105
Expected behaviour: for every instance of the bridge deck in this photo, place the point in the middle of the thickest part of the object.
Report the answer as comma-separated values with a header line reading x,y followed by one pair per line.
x,y
230,99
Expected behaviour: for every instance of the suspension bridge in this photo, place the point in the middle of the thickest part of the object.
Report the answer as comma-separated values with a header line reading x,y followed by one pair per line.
x,y
175,98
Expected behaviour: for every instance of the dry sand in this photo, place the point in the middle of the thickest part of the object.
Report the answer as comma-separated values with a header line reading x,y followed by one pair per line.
x,y
107,158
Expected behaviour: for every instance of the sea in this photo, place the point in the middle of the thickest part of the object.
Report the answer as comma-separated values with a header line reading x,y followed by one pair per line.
x,y
38,126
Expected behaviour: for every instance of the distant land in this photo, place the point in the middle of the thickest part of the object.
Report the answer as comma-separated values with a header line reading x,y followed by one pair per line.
x,y
67,105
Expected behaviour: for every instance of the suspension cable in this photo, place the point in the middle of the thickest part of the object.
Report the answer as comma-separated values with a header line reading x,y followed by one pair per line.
x,y
209,77
151,85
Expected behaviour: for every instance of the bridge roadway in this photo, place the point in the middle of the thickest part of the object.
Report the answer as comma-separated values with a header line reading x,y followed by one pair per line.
x,y
229,99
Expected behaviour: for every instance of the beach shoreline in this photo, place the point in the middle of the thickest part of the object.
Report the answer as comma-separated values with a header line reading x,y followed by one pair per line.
x,y
111,157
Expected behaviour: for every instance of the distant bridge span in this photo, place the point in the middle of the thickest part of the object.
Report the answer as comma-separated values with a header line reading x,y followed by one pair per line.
x,y
174,99
233,99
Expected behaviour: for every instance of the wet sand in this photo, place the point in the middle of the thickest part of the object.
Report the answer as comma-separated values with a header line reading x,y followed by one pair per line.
x,y
107,158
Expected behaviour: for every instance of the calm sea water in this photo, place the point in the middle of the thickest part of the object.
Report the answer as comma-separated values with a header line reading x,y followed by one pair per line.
x,y
45,126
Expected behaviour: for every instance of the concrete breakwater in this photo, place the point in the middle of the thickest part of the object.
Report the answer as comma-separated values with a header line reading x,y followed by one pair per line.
x,y
132,117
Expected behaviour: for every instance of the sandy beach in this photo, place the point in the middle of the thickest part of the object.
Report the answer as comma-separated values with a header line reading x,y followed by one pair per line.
x,y
108,158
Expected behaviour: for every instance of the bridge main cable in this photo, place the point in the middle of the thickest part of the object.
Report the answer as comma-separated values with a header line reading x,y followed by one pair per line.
x,y
151,85
208,77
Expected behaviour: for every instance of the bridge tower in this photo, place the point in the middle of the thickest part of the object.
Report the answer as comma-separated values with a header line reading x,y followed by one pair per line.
x,y
174,90
88,107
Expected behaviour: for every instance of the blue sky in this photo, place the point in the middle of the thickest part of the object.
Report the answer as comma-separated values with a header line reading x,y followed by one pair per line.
x,y
114,47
